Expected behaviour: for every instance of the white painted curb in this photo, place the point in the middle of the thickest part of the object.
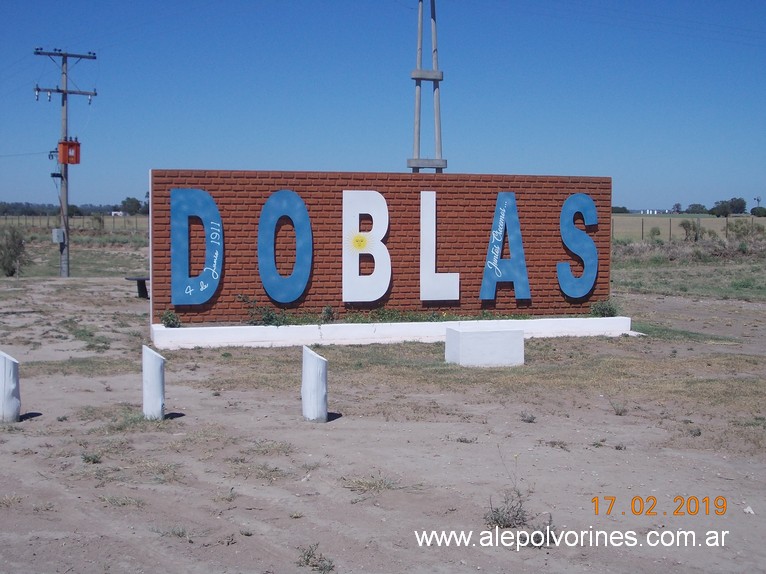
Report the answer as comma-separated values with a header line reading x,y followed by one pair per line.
x,y
368,333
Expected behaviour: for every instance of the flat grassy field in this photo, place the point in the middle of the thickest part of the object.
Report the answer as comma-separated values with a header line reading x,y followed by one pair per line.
x,y
690,270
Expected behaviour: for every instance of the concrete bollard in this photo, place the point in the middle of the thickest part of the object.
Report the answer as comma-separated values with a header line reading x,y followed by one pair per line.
x,y
154,384
10,400
314,386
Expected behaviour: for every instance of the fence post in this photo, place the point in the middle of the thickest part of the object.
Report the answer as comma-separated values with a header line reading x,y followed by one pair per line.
x,y
670,229
10,399
642,229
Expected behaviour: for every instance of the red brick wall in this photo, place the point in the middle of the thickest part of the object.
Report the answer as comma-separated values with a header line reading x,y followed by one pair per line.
x,y
465,212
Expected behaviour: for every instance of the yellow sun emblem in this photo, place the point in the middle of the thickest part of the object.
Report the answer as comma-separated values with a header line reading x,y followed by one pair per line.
x,y
359,242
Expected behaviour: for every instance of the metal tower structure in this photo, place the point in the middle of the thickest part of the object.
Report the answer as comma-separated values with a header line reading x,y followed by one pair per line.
x,y
435,76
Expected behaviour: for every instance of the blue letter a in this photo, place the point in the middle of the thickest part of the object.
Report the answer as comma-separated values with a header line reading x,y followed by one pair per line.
x,y
514,269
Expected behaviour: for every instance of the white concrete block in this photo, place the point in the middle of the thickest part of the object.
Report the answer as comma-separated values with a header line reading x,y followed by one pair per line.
x,y
474,348
154,384
314,386
10,398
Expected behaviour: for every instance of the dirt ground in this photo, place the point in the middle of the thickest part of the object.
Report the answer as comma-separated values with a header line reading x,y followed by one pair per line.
x,y
234,480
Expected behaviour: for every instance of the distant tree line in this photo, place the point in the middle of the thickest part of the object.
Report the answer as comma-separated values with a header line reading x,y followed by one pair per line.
x,y
129,206
723,208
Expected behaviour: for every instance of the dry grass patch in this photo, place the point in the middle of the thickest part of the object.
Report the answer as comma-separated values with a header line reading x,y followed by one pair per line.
x,y
121,501
226,497
9,500
266,447
83,366
239,368
120,418
102,474
240,467
175,531
554,444
370,484
207,441
158,472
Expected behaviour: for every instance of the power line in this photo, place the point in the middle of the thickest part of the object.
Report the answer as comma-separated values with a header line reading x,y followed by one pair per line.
x,y
2,156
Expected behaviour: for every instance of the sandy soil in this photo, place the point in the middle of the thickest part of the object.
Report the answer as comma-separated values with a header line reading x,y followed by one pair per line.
x,y
235,481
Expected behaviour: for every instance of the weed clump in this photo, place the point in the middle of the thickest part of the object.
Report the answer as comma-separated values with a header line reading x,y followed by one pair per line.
x,y
527,417
511,513
374,484
91,457
315,560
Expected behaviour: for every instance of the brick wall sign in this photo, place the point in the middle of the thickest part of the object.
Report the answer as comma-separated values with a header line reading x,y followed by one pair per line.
x,y
460,244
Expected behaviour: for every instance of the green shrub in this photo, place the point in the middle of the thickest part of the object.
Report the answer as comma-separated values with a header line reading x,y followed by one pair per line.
x,y
170,319
261,314
692,230
621,242
604,309
327,315
13,256
746,229
97,221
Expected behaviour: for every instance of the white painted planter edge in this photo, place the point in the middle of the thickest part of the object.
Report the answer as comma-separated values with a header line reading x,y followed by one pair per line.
x,y
368,333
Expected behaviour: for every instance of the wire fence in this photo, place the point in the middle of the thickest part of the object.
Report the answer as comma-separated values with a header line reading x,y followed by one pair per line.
x,y
105,223
670,227
624,227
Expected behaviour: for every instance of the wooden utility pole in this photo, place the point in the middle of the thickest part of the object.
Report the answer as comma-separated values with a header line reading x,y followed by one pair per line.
x,y
65,146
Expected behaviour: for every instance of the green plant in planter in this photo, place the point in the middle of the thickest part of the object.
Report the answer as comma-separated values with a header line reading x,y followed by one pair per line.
x,y
604,309
170,319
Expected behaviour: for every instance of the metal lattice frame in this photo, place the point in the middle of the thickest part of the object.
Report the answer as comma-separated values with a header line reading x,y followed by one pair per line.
x,y
435,76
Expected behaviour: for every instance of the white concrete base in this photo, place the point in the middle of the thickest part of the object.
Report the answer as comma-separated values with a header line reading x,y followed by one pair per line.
x,y
10,395
471,348
314,386
367,333
154,384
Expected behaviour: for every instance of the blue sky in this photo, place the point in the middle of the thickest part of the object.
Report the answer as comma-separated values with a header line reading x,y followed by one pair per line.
x,y
666,97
